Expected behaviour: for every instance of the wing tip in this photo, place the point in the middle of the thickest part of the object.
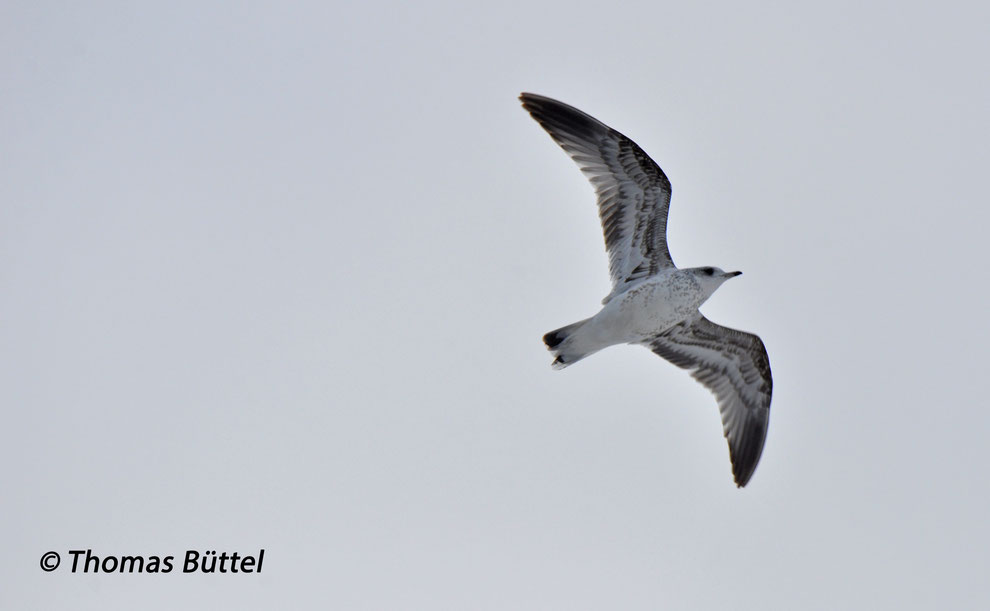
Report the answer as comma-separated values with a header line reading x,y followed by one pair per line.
x,y
527,98
561,120
746,453
742,479
532,101
742,475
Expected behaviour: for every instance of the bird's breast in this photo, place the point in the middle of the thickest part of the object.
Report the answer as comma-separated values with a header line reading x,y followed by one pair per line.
x,y
653,306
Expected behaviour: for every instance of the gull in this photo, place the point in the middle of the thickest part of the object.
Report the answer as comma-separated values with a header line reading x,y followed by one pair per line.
x,y
653,303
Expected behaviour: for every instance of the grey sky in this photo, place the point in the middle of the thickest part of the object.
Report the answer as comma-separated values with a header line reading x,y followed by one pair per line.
x,y
276,275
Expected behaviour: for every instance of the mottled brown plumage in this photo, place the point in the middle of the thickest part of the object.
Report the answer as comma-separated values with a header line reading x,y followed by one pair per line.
x,y
653,303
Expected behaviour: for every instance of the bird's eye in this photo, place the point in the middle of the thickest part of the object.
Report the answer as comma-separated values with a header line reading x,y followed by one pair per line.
x,y
709,270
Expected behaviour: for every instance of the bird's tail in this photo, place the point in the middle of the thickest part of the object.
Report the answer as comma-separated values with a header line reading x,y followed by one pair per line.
x,y
565,345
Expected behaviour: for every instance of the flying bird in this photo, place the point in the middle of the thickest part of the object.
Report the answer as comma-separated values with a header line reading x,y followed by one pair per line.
x,y
653,303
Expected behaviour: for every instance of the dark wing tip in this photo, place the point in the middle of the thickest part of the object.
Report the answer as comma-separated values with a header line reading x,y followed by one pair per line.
x,y
561,119
533,99
748,447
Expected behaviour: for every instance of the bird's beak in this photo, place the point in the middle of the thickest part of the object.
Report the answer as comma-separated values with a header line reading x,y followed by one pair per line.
x,y
733,274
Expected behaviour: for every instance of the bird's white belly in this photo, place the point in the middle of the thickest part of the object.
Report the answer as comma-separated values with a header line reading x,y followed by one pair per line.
x,y
647,309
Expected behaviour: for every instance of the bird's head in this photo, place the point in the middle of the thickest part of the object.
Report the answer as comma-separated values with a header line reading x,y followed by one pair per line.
x,y
711,278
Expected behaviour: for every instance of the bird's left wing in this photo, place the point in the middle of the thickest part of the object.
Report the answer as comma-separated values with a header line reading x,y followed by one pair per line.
x,y
733,365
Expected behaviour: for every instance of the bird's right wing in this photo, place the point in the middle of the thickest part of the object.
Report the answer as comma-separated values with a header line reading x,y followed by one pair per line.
x,y
633,192
733,365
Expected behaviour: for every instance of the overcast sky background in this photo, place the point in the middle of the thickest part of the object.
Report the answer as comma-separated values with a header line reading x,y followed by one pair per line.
x,y
275,275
